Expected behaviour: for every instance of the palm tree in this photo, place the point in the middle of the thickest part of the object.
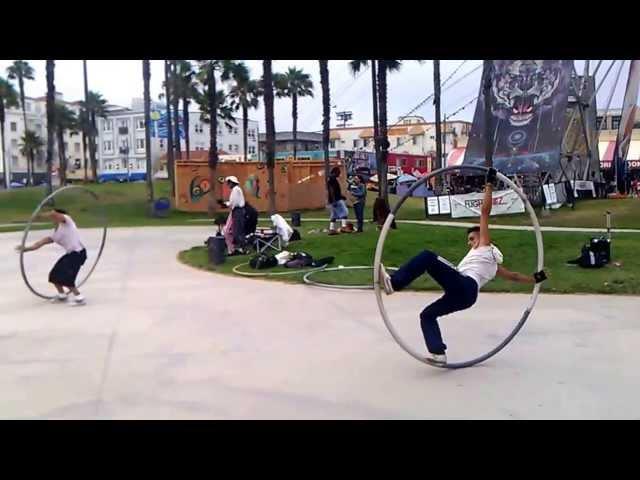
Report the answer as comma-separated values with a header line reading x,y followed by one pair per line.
x,y
8,99
186,91
96,107
244,95
21,71
170,156
384,66
31,143
326,114
267,85
51,121
207,76
66,120
294,83
84,120
175,101
146,76
356,66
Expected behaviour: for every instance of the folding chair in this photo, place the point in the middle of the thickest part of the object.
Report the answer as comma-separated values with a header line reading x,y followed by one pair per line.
x,y
266,238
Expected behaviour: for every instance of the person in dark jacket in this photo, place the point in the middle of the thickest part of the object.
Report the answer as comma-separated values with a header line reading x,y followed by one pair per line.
x,y
359,193
337,204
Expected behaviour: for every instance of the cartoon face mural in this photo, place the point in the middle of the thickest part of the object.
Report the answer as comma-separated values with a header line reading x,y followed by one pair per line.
x,y
253,185
523,88
198,188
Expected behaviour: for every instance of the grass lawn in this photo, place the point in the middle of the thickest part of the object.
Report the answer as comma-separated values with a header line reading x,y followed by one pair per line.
x,y
125,205
518,248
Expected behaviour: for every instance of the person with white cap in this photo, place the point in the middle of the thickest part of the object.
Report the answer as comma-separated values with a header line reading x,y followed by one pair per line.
x,y
234,228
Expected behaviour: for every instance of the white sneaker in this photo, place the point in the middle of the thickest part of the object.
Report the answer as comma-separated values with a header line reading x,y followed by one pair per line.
x,y
59,299
385,280
437,359
77,301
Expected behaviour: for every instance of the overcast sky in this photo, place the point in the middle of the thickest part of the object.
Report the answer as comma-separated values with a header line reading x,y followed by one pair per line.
x,y
121,80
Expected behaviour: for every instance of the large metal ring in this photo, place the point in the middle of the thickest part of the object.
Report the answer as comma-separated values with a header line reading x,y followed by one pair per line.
x,y
27,229
378,260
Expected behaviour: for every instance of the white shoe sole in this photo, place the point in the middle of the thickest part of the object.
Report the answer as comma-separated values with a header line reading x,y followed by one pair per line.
x,y
385,280
77,304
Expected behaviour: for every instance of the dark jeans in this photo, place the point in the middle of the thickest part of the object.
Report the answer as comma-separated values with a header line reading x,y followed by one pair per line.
x,y
359,209
238,227
460,293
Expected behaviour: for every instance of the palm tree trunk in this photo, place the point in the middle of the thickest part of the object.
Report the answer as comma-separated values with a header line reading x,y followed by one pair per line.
x,y
326,114
51,121
185,124
2,145
146,77
89,136
92,147
213,134
26,128
436,101
384,141
245,126
170,157
271,135
176,116
376,124
61,156
294,115
84,156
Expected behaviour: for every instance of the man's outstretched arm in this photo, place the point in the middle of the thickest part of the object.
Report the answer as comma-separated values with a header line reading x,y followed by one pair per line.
x,y
538,277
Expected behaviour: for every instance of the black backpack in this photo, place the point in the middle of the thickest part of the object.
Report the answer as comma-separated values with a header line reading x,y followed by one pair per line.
x,y
250,219
262,261
299,260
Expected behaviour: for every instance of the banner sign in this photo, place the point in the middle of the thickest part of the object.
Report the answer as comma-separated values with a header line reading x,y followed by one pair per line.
x,y
469,205
432,206
627,123
528,104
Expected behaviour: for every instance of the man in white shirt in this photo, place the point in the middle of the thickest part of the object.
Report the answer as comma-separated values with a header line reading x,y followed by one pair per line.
x,y
461,286
65,271
234,228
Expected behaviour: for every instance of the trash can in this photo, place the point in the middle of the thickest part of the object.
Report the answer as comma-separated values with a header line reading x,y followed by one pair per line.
x,y
295,219
216,247
161,207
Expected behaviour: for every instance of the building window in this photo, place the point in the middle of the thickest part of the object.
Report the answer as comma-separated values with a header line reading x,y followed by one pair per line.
x,y
27,106
107,146
76,147
38,108
365,142
615,122
140,143
219,131
230,147
14,161
415,140
162,143
141,124
38,128
251,150
77,164
198,128
235,130
66,146
14,127
123,123
251,134
230,130
108,125
332,144
355,144
14,143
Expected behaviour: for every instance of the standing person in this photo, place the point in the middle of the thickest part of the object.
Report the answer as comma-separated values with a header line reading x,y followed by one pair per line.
x,y
359,193
461,285
337,204
65,271
234,228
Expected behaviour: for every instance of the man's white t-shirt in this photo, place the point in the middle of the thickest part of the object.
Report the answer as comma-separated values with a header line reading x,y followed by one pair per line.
x,y
481,264
67,236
